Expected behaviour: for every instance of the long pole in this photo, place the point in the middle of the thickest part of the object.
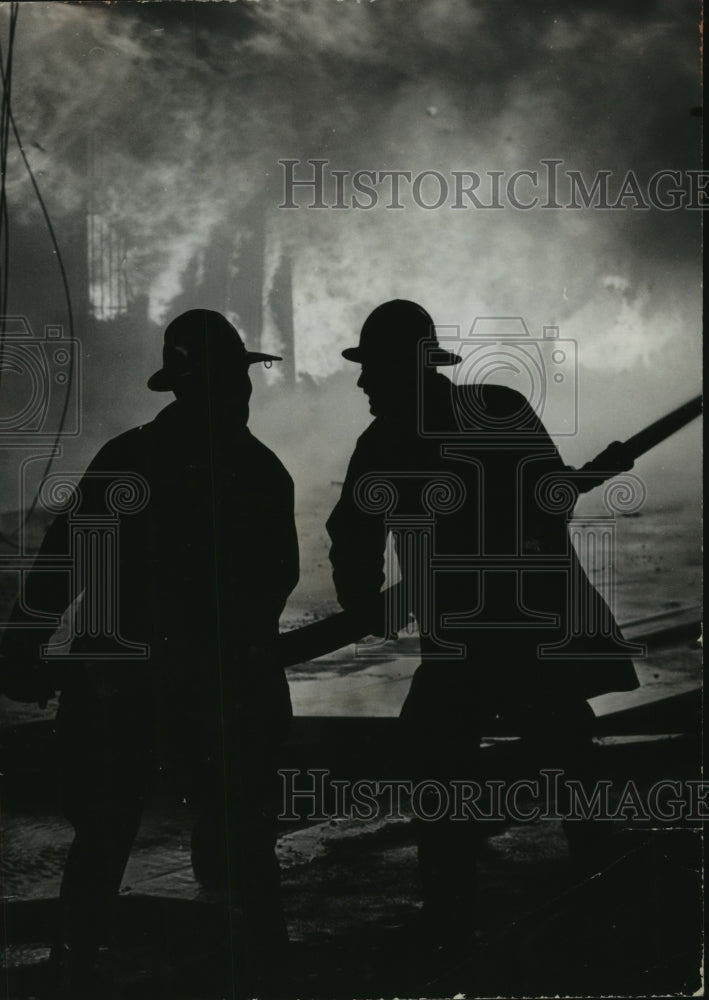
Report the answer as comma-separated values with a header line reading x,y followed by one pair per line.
x,y
661,429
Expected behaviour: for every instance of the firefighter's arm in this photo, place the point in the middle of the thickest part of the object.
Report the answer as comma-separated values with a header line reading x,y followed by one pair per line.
x,y
358,541
289,570
46,591
275,568
612,460
27,680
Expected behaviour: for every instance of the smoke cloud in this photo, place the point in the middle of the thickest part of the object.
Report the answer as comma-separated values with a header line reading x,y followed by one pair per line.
x,y
169,120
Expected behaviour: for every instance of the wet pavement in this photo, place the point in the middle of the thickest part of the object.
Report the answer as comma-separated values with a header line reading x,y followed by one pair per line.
x,y
351,905
630,927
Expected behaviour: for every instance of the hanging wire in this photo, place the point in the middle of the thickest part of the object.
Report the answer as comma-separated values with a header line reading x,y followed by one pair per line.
x,y
7,121
5,113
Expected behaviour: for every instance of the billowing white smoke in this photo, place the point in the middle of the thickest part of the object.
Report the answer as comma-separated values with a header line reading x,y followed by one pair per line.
x,y
191,106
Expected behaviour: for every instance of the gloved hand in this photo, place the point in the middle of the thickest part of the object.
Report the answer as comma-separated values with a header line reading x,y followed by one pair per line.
x,y
26,680
612,460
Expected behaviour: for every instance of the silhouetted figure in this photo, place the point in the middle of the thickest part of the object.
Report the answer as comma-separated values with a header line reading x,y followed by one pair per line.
x,y
205,568
459,473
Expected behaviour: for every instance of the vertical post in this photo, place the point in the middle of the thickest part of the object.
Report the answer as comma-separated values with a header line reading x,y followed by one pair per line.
x,y
282,309
246,281
277,330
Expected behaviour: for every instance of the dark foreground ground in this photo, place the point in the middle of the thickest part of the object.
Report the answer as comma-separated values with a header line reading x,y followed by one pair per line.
x,y
630,929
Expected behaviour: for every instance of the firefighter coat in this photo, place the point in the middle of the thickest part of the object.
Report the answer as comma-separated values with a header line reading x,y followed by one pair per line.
x,y
478,501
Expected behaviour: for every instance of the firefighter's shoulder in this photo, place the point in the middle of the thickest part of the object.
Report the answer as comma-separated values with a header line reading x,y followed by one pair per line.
x,y
261,457
377,442
494,401
121,452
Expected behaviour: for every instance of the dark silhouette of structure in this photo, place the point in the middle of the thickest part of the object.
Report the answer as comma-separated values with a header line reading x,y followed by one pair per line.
x,y
468,481
202,568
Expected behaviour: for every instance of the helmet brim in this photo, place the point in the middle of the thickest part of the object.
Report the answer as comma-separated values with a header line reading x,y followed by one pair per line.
x,y
164,380
439,357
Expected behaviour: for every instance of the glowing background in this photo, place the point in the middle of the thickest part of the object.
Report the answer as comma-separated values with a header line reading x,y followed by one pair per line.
x,y
187,108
